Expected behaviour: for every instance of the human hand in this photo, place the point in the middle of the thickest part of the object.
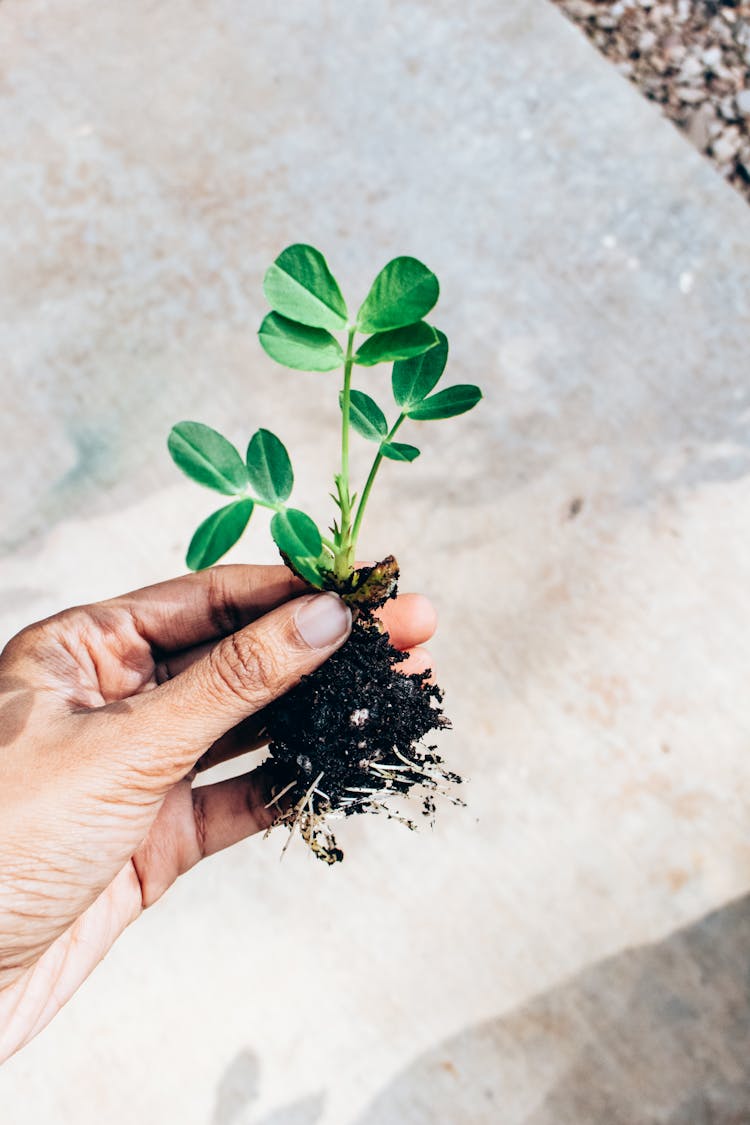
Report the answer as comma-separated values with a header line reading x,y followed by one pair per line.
x,y
107,714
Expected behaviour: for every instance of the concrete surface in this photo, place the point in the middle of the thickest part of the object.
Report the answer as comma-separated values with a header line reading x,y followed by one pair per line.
x,y
585,536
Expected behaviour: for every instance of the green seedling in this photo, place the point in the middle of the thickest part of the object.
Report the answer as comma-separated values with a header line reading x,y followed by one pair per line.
x,y
309,328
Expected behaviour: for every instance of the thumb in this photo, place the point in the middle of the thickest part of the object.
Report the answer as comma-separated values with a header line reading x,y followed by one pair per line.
x,y
242,674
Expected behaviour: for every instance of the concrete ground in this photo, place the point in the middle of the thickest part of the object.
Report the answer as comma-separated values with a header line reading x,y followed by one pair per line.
x,y
572,947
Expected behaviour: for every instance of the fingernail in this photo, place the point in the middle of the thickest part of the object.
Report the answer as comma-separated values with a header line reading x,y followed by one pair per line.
x,y
323,620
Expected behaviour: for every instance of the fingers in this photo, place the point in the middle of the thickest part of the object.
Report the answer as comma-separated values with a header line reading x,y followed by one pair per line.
x,y
197,822
179,720
200,607
175,662
410,619
417,660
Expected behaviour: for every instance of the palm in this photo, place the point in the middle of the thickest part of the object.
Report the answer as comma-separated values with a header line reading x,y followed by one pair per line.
x,y
121,818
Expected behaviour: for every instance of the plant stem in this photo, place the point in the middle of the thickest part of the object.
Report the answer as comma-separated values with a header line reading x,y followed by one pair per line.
x,y
345,546
371,480
265,503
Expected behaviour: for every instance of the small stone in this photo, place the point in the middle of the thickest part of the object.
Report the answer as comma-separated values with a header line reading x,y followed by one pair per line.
x,y
727,108
691,68
691,95
580,9
699,126
743,103
742,33
726,146
675,53
712,57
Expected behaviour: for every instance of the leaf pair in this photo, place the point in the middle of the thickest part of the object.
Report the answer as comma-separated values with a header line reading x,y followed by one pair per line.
x,y
368,419
413,379
293,532
208,458
308,307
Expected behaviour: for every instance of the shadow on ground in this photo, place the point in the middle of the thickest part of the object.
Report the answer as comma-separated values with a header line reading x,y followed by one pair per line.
x,y
658,1035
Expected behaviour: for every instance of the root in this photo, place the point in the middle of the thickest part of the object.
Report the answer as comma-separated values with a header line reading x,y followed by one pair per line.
x,y
360,723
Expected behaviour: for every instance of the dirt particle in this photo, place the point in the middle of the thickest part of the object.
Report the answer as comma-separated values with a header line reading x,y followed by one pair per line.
x,y
574,507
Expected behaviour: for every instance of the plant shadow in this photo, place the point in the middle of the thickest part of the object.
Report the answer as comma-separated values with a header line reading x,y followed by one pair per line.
x,y
657,1035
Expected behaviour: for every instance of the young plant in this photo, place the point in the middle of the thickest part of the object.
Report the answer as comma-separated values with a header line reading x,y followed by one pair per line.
x,y
365,743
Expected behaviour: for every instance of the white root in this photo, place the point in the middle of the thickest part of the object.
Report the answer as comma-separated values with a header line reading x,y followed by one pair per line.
x,y
299,810
277,796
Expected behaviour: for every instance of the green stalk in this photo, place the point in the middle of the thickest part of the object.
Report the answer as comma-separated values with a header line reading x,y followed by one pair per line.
x,y
264,503
371,480
344,555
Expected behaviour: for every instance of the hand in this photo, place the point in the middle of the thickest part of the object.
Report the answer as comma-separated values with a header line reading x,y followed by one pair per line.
x,y
107,713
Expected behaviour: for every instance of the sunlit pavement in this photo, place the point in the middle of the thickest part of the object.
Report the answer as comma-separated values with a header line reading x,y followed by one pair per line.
x,y
584,534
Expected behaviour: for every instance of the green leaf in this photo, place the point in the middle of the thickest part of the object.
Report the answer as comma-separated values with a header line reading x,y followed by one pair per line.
x,y
207,457
305,568
447,403
413,379
218,533
401,343
397,451
299,285
269,468
299,346
366,416
296,535
404,291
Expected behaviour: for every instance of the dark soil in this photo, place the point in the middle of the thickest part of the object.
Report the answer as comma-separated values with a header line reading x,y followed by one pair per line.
x,y
349,738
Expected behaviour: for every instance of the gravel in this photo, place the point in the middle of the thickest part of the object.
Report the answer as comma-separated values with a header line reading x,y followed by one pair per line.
x,y
690,56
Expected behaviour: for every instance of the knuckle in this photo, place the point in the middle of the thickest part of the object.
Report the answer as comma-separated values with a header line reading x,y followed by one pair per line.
x,y
24,643
163,672
224,611
200,818
246,667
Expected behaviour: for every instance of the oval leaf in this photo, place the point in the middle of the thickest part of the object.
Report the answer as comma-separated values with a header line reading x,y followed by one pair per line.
x,y
305,569
401,343
447,403
397,451
299,346
404,291
413,379
218,533
207,457
366,416
299,285
268,467
296,535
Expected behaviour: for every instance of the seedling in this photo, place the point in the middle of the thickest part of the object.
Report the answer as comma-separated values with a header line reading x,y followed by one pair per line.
x,y
349,737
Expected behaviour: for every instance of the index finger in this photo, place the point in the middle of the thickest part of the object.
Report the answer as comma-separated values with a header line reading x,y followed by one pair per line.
x,y
207,605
